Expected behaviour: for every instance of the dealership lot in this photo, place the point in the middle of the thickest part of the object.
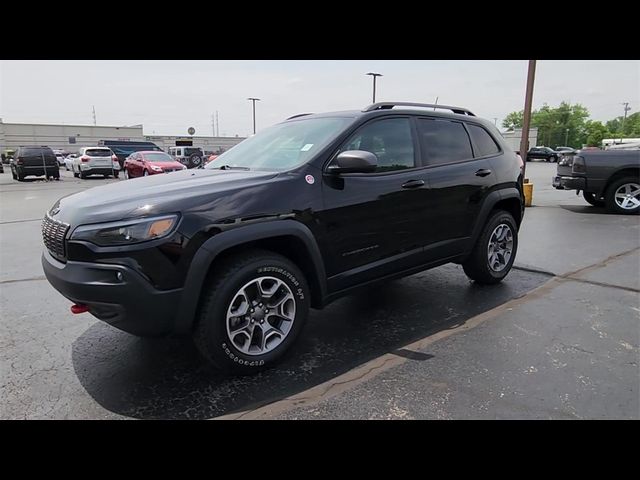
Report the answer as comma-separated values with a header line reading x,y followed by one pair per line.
x,y
558,339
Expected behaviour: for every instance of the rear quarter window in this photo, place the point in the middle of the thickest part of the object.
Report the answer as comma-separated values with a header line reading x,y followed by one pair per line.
x,y
483,141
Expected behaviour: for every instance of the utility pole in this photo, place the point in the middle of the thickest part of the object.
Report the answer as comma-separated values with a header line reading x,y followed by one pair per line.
x,y
434,108
217,125
495,121
94,115
528,100
254,100
213,125
374,75
626,109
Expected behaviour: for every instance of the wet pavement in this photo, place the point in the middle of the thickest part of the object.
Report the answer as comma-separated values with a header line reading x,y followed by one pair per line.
x,y
536,346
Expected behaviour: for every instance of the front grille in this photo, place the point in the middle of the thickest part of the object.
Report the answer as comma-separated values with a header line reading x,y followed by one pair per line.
x,y
53,235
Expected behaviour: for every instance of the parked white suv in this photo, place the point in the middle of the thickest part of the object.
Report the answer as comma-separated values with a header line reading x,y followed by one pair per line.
x,y
192,157
95,161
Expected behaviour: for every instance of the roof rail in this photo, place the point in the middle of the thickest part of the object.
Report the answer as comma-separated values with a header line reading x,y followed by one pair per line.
x,y
390,105
299,115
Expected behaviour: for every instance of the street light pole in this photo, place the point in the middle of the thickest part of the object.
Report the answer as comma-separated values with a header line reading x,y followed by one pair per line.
x,y
374,75
254,100
566,138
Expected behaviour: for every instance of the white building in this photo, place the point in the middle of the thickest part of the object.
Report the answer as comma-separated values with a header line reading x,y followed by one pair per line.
x,y
73,137
513,137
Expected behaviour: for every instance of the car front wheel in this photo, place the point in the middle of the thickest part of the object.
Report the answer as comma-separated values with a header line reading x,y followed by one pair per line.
x,y
252,311
495,250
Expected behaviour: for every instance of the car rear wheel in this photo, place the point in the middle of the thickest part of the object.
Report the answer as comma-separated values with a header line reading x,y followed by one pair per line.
x,y
252,310
623,196
495,250
592,199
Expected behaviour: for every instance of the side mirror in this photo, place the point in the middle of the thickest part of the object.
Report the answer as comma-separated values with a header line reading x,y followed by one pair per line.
x,y
354,161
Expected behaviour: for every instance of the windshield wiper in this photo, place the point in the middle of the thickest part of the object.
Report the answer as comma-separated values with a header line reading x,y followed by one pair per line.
x,y
229,167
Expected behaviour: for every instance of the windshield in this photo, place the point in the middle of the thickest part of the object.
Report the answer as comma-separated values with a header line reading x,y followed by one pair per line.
x,y
158,157
283,146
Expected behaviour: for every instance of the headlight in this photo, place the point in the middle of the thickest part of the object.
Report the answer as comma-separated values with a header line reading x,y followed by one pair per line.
x,y
156,168
126,232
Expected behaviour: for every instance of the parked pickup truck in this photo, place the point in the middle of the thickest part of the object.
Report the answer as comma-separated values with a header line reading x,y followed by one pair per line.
x,y
606,178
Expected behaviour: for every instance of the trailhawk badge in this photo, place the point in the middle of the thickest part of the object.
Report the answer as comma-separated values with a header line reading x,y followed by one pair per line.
x,y
310,180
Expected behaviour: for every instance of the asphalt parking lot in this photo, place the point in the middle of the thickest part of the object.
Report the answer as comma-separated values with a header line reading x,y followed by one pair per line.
x,y
557,339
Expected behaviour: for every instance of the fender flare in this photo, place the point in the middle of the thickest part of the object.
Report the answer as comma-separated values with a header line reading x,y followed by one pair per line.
x,y
489,202
217,244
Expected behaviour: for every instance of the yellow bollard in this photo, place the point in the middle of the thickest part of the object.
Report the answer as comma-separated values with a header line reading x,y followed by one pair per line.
x,y
528,192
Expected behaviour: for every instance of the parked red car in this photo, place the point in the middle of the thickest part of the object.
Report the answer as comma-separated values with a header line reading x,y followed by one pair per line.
x,y
141,164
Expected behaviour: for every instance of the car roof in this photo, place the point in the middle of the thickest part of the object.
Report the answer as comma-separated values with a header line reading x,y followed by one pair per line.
x,y
398,109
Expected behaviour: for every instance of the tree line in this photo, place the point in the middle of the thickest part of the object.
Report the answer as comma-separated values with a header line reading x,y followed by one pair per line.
x,y
569,125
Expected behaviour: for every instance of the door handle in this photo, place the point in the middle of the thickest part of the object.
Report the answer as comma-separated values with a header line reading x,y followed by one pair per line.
x,y
413,184
483,172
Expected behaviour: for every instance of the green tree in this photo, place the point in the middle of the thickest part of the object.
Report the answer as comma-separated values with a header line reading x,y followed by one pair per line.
x,y
564,125
514,120
631,127
595,132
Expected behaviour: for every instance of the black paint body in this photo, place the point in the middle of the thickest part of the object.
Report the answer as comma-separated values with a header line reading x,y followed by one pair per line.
x,y
344,231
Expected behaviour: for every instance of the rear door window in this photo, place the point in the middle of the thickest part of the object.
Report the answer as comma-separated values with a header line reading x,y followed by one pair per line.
x,y
443,141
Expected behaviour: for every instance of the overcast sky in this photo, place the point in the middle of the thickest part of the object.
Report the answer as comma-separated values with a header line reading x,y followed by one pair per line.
x,y
168,97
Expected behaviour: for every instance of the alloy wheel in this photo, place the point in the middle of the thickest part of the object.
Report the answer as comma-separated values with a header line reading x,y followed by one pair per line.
x,y
260,315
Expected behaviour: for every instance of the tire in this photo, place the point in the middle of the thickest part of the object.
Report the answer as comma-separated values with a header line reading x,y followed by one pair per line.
x,y
83,175
615,200
554,159
194,160
20,175
13,174
222,291
591,198
476,266
116,174
126,174
145,174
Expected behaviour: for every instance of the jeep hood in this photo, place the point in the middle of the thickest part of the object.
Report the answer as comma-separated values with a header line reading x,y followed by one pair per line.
x,y
155,194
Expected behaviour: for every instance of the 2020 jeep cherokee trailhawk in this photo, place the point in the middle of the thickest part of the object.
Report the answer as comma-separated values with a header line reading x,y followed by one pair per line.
x,y
294,217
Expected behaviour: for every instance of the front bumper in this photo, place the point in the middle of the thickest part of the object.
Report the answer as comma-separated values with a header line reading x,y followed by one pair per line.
x,y
131,304
569,183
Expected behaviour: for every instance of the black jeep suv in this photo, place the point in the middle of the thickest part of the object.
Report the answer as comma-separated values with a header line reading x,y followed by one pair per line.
x,y
291,218
34,160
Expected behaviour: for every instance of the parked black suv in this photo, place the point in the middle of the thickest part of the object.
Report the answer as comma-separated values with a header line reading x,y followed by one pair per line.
x,y
545,153
291,218
36,161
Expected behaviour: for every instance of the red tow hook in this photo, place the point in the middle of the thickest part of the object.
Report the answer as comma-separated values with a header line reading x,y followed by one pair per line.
x,y
79,308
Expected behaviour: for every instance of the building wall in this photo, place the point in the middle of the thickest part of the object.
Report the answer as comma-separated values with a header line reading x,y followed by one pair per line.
x,y
73,137
213,144
513,138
